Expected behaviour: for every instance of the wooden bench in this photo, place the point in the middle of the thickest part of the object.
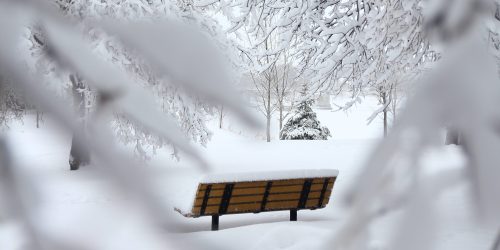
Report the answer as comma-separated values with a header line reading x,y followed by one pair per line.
x,y
254,193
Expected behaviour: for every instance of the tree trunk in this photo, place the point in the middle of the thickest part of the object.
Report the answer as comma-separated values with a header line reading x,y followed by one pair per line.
x,y
385,123
384,101
394,105
268,111
221,116
79,154
37,119
452,137
268,127
393,115
281,115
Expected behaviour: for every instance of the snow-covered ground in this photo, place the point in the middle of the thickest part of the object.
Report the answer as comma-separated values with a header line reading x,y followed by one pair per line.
x,y
72,204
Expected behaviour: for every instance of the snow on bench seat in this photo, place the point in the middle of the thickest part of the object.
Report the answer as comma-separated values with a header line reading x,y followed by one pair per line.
x,y
268,175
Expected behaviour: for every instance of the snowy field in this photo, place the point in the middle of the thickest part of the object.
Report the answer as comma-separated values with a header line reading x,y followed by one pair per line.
x,y
80,203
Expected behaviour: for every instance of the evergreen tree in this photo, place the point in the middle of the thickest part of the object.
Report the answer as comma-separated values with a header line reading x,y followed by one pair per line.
x,y
304,125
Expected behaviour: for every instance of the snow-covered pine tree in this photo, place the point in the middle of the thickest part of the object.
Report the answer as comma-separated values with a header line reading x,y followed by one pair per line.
x,y
304,125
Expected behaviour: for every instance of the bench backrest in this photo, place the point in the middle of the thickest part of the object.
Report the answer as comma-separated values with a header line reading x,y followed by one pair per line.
x,y
262,196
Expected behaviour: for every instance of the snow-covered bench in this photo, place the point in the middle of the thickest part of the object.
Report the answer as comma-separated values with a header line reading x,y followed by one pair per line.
x,y
261,192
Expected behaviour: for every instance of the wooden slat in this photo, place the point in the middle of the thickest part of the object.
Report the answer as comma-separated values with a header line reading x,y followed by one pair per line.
x,y
250,184
249,191
210,201
236,192
212,210
274,197
216,193
255,207
296,188
218,186
253,198
315,194
317,187
288,182
312,203
285,205
320,180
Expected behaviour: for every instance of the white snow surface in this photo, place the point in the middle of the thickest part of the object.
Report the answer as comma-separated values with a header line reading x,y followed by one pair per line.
x,y
83,207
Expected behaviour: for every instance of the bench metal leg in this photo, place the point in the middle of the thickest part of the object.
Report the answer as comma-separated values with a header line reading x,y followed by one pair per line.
x,y
293,215
215,222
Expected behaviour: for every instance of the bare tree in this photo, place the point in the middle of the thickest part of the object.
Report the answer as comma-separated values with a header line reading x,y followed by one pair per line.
x,y
263,85
384,98
385,101
78,155
285,89
395,99
221,115
11,105
39,118
262,67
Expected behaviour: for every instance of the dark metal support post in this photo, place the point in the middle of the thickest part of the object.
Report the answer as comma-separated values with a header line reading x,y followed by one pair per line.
x,y
293,215
215,222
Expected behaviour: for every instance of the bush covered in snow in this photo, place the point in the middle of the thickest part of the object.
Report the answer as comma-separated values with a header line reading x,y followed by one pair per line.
x,y
304,125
